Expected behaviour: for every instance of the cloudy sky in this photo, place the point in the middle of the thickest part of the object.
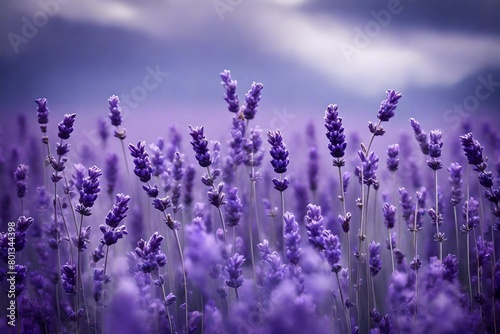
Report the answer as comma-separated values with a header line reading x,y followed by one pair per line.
x,y
164,56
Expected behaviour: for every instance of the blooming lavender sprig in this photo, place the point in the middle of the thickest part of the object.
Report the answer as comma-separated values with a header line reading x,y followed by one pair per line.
x,y
157,160
474,152
392,157
369,167
313,169
388,106
435,145
252,99
279,154
200,146
66,126
90,189
150,254
188,185
21,178
455,179
68,278
389,212
471,214
234,207
253,152
292,239
115,116
43,116
314,227
234,268
407,207
420,135
99,278
332,250
375,262
111,171
233,103
118,212
335,135
142,163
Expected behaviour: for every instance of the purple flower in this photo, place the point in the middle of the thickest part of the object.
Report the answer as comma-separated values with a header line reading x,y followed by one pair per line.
x,y
420,136
332,250
313,168
237,140
450,264
234,268
162,204
234,208
157,160
216,197
252,99
188,185
387,106
455,179
486,179
21,177
115,113
68,278
112,234
102,130
252,148
375,262
118,212
66,126
150,254
370,165
335,134
484,251
142,164
281,185
389,212
233,103
314,226
435,144
82,239
392,157
345,222
278,151
473,151
470,212
292,239
200,146
42,113
407,207
99,280
90,189
111,172
178,166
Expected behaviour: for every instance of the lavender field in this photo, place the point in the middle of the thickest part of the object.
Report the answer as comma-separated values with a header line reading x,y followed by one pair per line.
x,y
317,228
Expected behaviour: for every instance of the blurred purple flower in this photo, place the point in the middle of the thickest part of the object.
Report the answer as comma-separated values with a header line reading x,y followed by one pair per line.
x,y
388,106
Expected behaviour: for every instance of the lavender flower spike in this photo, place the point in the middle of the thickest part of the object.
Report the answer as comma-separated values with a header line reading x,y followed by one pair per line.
x,y
234,208
420,136
142,164
314,227
21,177
115,113
233,103
292,239
435,144
90,189
252,99
42,114
332,250
392,157
234,268
388,106
455,179
370,165
68,278
118,212
375,262
389,215
473,151
66,126
200,146
278,151
335,134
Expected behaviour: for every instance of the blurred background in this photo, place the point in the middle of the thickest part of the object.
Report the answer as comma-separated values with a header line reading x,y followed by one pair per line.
x,y
163,58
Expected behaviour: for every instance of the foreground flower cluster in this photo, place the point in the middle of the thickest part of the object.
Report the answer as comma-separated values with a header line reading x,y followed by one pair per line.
x,y
245,236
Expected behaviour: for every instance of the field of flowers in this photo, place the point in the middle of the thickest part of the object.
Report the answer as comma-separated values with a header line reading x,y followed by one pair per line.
x,y
190,235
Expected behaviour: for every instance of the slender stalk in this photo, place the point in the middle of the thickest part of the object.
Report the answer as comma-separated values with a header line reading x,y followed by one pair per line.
x,y
468,267
346,309
184,277
237,297
437,215
456,227
342,199
282,196
125,158
219,208
390,246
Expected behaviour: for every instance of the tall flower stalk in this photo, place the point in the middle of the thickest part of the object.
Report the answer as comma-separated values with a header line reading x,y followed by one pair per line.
x,y
115,116
279,161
